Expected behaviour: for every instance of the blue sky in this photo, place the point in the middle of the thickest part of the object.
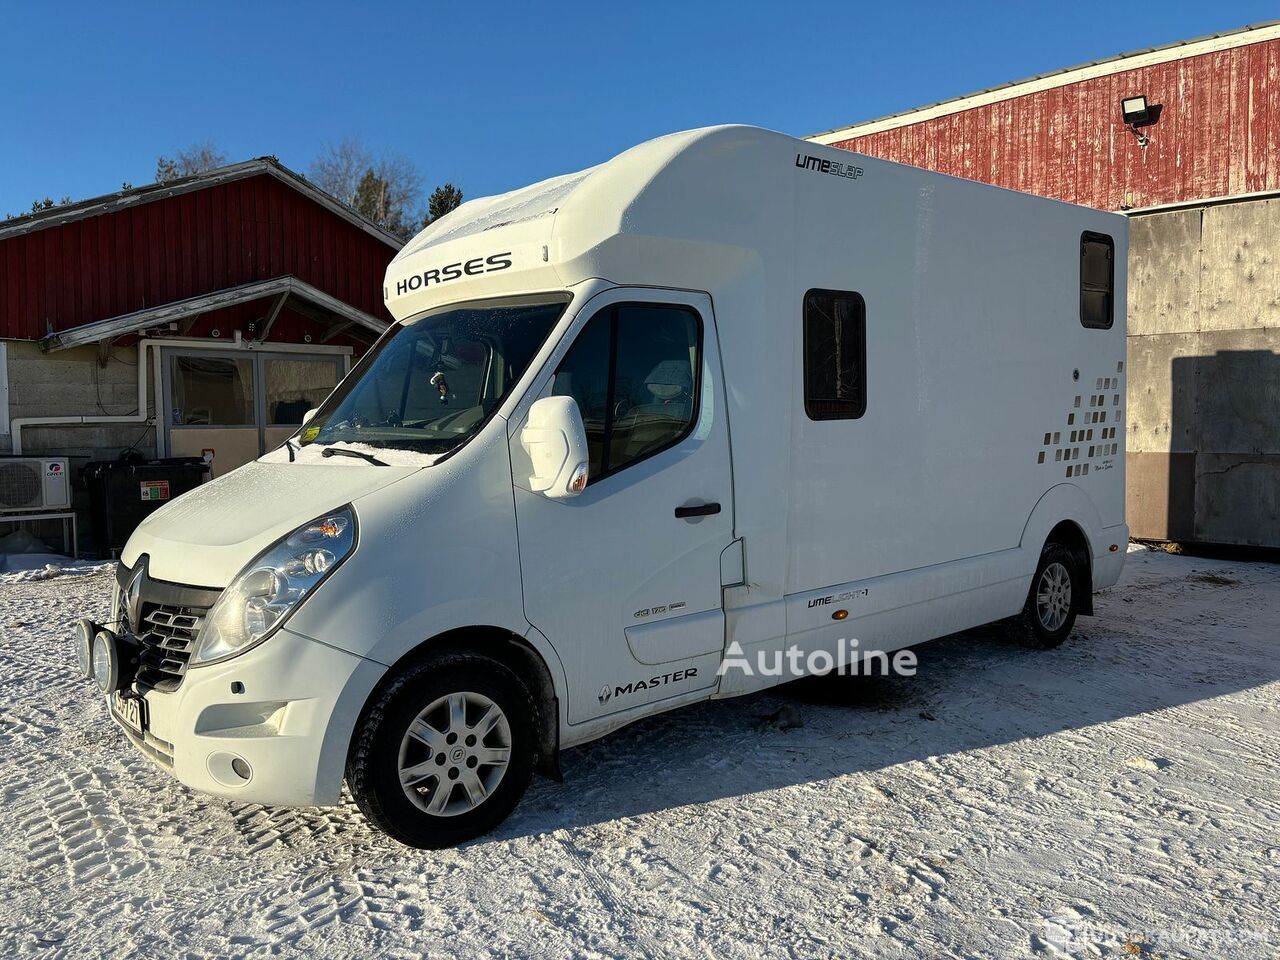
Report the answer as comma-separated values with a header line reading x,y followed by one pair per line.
x,y
496,95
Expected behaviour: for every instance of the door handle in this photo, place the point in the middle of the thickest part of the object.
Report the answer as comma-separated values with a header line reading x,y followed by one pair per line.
x,y
697,510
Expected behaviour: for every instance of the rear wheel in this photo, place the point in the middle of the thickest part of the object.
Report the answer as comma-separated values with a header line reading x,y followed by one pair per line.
x,y
446,750
1053,600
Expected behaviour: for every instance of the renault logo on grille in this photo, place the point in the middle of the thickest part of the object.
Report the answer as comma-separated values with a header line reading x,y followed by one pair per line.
x,y
605,694
133,598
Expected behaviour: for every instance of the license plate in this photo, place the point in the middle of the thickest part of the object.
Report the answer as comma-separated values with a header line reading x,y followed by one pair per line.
x,y
130,710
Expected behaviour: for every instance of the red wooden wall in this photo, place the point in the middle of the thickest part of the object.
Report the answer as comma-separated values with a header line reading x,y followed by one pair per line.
x,y
1218,135
208,239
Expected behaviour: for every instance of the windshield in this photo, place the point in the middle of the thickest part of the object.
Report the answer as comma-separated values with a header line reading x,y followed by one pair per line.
x,y
431,384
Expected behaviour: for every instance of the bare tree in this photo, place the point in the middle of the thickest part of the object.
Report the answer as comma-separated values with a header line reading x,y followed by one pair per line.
x,y
340,167
386,189
197,158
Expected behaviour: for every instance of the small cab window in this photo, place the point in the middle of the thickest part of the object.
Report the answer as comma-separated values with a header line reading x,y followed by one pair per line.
x,y
835,355
1097,280
633,371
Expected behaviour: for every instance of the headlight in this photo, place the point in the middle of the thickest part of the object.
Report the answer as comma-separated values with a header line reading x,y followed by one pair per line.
x,y
266,591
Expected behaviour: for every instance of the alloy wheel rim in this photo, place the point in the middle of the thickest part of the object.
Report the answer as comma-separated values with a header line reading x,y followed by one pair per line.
x,y
1053,597
454,754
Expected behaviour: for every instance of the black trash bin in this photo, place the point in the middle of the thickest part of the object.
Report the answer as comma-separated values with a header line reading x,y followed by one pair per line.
x,y
123,492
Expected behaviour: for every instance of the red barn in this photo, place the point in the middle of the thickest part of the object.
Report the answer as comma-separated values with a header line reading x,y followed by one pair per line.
x,y
1198,172
202,316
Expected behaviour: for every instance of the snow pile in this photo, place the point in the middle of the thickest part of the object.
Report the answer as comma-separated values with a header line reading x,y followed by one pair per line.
x,y
1115,797
62,567
23,557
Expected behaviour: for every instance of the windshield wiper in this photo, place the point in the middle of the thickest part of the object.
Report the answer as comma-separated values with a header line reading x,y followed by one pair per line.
x,y
288,445
344,452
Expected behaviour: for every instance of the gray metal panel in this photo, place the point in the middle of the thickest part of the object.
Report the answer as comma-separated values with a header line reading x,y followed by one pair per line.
x,y
1204,374
1237,499
1164,273
1240,266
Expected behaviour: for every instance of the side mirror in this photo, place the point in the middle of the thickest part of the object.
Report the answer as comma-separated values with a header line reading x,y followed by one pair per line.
x,y
555,439
308,415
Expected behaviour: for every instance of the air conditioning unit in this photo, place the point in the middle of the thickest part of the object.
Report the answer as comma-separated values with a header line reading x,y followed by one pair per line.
x,y
34,483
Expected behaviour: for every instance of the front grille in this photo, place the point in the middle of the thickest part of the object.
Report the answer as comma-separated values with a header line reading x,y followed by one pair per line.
x,y
169,617
166,638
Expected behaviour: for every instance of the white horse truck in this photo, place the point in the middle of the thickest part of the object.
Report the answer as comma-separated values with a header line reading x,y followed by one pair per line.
x,y
729,391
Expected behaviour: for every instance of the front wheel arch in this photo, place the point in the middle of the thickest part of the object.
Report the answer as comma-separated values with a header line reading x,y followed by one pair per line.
x,y
461,702
509,649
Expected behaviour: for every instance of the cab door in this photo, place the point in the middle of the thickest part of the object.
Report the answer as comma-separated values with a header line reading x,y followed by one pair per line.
x,y
624,579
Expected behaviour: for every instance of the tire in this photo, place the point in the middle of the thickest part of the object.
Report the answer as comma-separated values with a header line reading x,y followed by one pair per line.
x,y
451,759
1053,600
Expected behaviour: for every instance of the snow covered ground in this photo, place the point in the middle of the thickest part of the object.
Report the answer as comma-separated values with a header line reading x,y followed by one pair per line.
x,y
1116,797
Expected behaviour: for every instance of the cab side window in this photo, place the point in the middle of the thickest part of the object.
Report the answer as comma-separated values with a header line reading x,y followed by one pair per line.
x,y
634,373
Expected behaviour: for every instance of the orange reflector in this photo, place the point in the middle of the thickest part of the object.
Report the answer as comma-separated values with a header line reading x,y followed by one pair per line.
x,y
839,614
1115,547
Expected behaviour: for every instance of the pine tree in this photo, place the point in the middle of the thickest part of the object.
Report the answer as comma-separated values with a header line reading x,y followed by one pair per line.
x,y
443,199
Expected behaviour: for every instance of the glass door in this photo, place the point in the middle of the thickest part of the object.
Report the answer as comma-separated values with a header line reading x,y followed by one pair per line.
x,y
292,385
231,407
212,408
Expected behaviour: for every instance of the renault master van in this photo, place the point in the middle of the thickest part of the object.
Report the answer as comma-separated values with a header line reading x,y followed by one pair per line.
x,y
725,395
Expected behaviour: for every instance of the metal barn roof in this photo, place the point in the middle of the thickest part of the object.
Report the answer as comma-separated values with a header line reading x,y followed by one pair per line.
x,y
1134,59
151,255
109,203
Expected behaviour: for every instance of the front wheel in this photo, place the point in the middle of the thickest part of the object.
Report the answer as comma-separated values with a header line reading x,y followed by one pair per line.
x,y
445,752
1053,600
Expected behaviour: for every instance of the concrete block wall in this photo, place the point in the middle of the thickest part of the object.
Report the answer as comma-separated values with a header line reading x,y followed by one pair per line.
x,y
75,383
1203,439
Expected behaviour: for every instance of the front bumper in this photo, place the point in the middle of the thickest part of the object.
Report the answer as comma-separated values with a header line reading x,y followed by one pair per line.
x,y
285,710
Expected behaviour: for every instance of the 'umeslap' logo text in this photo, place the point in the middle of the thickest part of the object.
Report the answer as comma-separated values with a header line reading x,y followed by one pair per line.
x,y
834,167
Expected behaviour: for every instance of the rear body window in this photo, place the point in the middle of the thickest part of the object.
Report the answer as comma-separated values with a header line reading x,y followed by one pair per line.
x,y
1097,281
835,355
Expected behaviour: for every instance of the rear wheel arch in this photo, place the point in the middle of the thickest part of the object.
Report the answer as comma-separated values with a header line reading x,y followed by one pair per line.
x,y
1071,535
1065,514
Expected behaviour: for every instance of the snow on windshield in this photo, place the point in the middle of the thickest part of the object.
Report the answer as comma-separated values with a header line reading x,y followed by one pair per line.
x,y
314,453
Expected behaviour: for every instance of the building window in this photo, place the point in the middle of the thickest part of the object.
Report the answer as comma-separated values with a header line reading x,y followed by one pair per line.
x,y
1097,280
835,355
212,391
295,385
634,372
